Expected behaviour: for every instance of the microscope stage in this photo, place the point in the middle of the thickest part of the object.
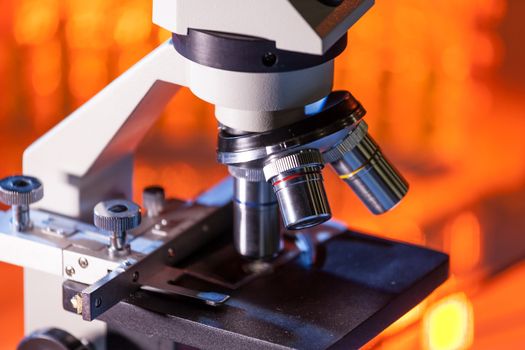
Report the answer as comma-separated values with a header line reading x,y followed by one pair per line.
x,y
361,286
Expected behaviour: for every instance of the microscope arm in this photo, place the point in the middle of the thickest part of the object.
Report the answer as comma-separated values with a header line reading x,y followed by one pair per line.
x,y
95,144
88,157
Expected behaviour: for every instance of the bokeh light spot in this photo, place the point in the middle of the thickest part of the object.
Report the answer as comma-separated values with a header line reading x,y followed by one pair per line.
x,y
448,324
36,21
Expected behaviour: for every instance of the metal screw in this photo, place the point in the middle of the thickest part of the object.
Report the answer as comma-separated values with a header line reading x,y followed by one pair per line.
x,y
135,276
76,302
19,192
83,262
70,271
269,59
117,216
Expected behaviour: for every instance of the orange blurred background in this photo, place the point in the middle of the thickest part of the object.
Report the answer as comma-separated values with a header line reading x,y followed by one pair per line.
x,y
443,83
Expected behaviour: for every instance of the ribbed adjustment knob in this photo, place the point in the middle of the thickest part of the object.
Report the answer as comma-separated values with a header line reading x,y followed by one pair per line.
x,y
351,141
298,185
299,159
248,174
20,190
117,215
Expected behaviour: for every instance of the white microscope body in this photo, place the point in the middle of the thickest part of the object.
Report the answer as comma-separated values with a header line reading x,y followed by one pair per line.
x,y
88,157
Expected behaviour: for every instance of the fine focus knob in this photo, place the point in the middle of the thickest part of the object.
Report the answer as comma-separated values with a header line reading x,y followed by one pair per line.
x,y
51,339
21,190
117,215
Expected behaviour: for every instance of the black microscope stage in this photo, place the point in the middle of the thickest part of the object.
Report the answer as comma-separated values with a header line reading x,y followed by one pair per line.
x,y
358,286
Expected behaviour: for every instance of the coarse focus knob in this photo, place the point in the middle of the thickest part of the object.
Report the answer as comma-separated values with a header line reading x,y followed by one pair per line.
x,y
117,216
19,192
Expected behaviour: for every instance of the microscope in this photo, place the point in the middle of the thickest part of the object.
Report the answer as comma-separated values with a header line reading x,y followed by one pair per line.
x,y
254,262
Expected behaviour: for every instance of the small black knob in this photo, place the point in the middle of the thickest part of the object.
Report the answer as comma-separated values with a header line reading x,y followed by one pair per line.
x,y
51,339
333,3
153,199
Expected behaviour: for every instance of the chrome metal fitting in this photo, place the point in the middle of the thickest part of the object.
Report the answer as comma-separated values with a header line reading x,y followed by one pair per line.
x,y
153,199
256,224
248,174
117,216
19,192
298,184
351,141
361,164
290,162
323,126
